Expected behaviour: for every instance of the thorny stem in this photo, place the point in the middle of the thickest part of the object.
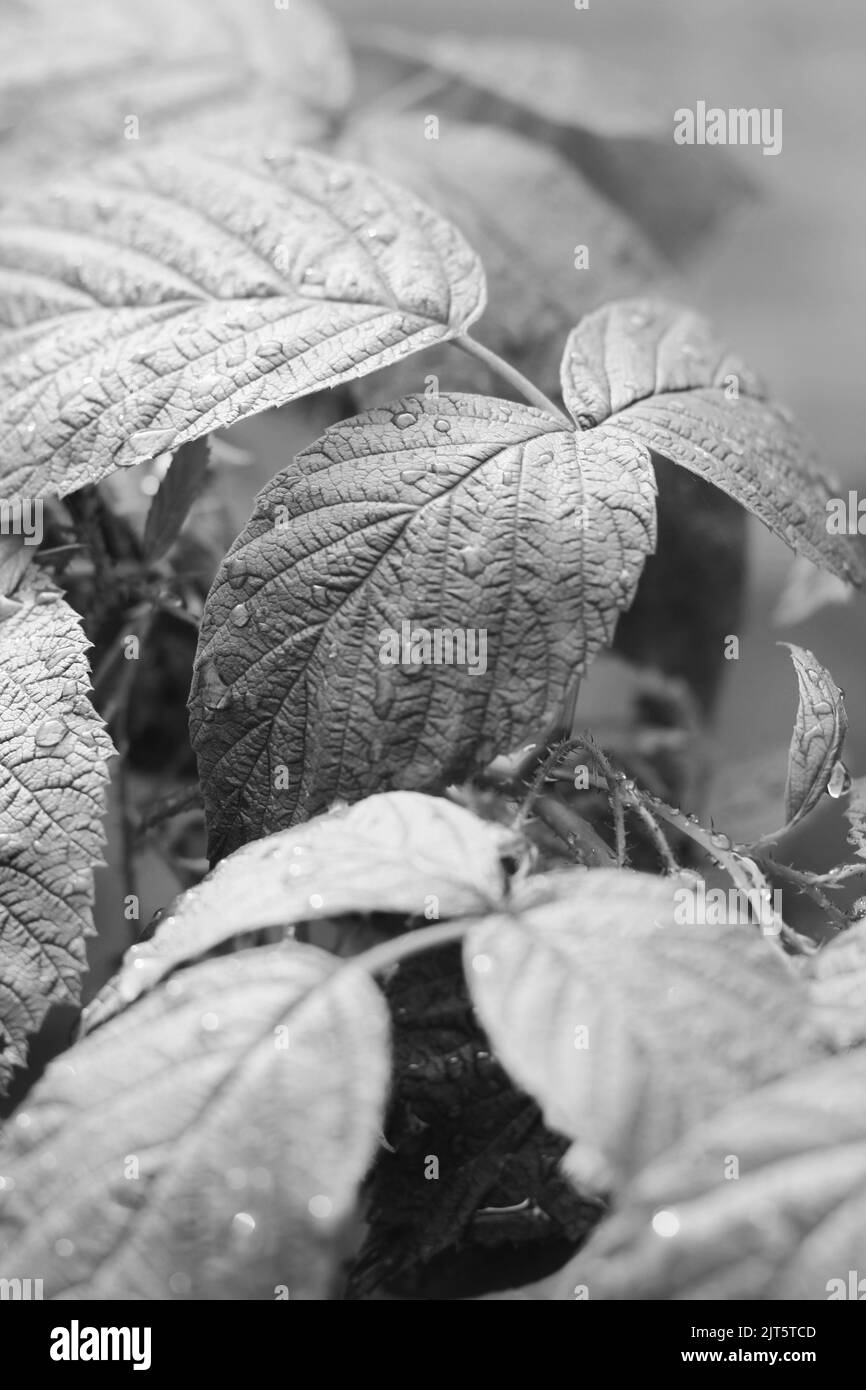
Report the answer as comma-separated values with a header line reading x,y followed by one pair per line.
x,y
580,837
632,799
514,378
807,884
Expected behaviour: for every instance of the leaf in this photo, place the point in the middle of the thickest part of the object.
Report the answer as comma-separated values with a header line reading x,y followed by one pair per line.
x,y
837,986
626,1023
746,795
794,1219
207,1145
499,1204
53,748
819,732
447,513
617,131
807,590
157,298
397,853
180,487
527,212
855,814
652,371
71,79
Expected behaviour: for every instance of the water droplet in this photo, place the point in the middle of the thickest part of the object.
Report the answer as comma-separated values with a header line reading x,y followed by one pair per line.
x,y
471,560
240,615
313,275
243,1224
720,841
147,444
50,733
443,426
840,781
404,419
210,1022
26,433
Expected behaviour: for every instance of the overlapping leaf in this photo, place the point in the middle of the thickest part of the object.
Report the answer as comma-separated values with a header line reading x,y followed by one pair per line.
x,y
457,515
611,126
655,372
837,988
53,748
765,1201
157,298
209,1144
396,853
625,1021
74,78
819,732
530,216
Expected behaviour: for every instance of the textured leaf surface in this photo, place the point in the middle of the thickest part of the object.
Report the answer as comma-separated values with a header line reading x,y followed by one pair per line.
x,y
248,1149
855,814
178,490
655,372
626,1025
794,1219
819,732
53,748
837,986
615,129
395,853
448,514
71,77
526,211
158,298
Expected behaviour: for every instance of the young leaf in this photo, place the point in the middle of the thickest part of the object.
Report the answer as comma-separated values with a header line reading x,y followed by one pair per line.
x,y
539,280
654,372
396,853
837,986
53,748
177,295
625,1022
819,732
209,1143
76,81
447,514
766,1200
620,137
179,489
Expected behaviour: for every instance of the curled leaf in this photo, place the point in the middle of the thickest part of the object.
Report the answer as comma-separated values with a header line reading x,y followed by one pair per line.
x,y
508,545
209,1144
53,748
819,732
159,297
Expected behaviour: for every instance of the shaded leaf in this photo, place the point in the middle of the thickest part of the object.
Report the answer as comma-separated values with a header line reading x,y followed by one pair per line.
x,y
819,732
396,853
613,127
807,590
855,814
499,1204
655,372
247,1093
159,298
53,748
71,78
625,1021
837,987
457,513
526,211
794,1219
178,490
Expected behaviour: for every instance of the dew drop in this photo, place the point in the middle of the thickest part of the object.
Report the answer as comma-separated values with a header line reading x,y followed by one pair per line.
x,y
243,1224
840,781
443,426
26,433
471,560
313,276
50,733
240,615
148,443
404,419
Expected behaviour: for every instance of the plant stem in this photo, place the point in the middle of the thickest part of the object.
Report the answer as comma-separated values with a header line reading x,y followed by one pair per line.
x,y
412,943
514,378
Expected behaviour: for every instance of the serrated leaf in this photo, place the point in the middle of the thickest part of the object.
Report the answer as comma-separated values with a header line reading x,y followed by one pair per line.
x,y
53,748
182,484
819,732
611,126
783,1223
855,814
248,1095
626,1023
158,298
395,853
71,79
836,978
655,372
527,212
449,513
